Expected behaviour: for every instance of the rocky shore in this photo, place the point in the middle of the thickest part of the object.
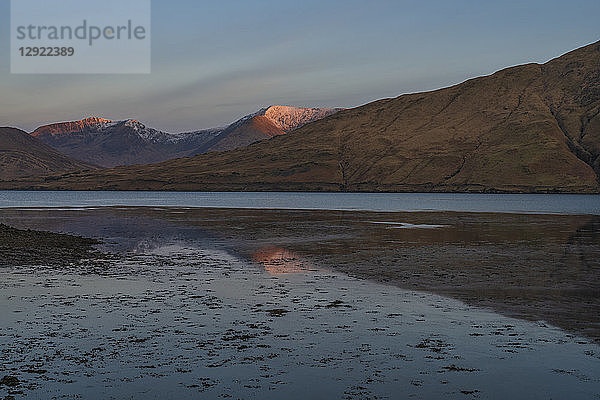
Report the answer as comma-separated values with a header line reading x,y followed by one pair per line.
x,y
29,247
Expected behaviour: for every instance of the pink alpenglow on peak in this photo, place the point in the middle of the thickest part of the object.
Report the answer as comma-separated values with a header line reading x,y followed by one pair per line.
x,y
110,143
62,128
289,118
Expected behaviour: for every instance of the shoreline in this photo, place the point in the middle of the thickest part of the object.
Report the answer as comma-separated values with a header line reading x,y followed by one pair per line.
x,y
19,247
258,188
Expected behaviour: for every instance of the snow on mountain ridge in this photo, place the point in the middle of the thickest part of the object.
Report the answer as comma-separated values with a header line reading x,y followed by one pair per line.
x,y
289,118
286,118
61,128
98,125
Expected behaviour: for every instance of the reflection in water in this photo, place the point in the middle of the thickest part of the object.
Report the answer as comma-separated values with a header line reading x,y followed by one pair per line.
x,y
278,261
180,311
192,323
535,267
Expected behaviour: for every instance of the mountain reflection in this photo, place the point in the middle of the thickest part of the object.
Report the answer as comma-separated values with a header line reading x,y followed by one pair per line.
x,y
279,261
528,266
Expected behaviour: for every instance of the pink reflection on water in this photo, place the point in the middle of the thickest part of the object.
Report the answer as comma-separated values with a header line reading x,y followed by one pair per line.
x,y
279,261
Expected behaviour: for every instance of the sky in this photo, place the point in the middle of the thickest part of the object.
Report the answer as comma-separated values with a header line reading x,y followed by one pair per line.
x,y
214,62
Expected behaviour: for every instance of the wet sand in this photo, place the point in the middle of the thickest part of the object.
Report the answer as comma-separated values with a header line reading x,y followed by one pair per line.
x,y
535,267
245,303
174,321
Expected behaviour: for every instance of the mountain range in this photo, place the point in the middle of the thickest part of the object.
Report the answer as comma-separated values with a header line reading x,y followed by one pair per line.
x,y
530,128
110,143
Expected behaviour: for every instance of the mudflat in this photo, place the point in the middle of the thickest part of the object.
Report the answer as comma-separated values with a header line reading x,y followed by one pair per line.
x,y
193,297
533,267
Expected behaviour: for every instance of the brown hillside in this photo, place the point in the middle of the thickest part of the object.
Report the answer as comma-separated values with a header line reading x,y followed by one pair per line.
x,y
22,155
530,128
244,133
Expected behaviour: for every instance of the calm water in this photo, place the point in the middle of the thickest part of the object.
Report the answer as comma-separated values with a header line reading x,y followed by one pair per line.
x,y
536,204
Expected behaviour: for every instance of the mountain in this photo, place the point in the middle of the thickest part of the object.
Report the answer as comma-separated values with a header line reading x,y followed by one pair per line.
x,y
265,124
111,143
243,133
290,118
22,155
64,128
530,128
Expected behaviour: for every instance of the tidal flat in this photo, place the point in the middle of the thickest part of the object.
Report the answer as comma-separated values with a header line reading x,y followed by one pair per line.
x,y
237,303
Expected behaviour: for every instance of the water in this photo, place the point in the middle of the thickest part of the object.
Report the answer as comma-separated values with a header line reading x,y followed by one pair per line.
x,y
221,303
180,321
498,203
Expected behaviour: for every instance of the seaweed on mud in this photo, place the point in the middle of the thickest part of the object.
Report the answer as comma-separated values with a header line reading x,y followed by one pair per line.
x,y
19,247
9,380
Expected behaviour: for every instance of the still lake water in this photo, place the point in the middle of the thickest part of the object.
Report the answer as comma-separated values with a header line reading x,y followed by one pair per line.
x,y
392,202
179,315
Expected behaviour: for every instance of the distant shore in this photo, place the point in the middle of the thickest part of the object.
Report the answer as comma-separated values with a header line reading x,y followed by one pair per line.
x,y
62,183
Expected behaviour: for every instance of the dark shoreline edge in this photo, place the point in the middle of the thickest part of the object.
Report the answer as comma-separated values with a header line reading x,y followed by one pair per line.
x,y
26,247
36,185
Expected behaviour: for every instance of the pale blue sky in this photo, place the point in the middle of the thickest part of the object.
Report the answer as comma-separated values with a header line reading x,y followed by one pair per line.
x,y
213,62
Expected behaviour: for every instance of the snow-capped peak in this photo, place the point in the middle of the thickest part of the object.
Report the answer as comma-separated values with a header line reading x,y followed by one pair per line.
x,y
135,125
61,128
289,118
